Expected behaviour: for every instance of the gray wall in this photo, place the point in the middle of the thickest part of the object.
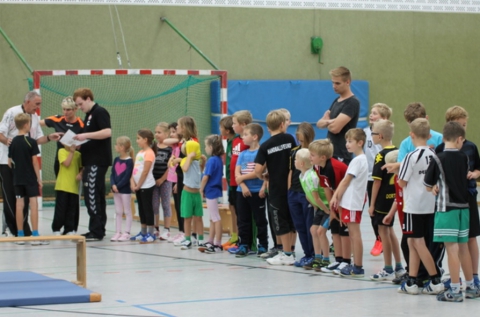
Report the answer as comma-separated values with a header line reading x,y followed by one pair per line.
x,y
406,56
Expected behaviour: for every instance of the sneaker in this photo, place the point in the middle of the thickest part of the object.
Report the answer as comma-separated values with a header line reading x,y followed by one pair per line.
x,y
446,283
39,242
57,233
261,250
164,235
352,271
282,259
19,242
148,238
179,243
124,237
340,268
233,250
476,281
269,254
430,288
411,290
71,233
230,243
382,276
175,237
400,272
242,251
449,296
400,279
203,246
156,233
195,242
377,248
115,237
329,269
214,249
311,265
186,245
138,237
89,237
303,261
472,292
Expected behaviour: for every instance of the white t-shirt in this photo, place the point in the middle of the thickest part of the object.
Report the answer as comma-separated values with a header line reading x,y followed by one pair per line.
x,y
140,159
354,197
9,130
371,150
416,199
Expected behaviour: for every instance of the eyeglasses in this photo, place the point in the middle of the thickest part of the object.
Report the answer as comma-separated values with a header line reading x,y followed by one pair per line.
x,y
375,133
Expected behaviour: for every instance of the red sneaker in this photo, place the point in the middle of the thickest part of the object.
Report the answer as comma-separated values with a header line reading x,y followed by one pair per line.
x,y
377,248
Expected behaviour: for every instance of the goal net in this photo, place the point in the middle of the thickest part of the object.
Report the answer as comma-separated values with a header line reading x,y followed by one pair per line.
x,y
135,99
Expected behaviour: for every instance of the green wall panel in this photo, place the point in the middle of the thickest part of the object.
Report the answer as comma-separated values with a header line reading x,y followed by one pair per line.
x,y
406,56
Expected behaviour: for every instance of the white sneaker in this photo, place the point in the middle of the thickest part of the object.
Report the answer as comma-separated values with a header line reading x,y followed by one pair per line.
x,y
339,268
382,276
329,269
194,241
57,233
411,290
71,233
179,235
432,289
165,234
186,245
178,243
282,259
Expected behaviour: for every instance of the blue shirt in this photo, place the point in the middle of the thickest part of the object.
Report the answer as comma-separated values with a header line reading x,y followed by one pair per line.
x,y
246,161
407,146
214,171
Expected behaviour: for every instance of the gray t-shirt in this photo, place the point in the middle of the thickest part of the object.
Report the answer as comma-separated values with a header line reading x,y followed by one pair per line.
x,y
193,176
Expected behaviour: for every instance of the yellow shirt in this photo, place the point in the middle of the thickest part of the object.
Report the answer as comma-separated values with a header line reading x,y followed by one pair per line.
x,y
66,180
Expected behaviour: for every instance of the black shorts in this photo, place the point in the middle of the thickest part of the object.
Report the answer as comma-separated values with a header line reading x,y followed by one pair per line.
x,y
26,191
280,214
335,228
474,218
320,218
417,225
378,219
232,195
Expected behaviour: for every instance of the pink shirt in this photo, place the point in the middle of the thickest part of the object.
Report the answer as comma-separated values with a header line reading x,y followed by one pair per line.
x,y
172,175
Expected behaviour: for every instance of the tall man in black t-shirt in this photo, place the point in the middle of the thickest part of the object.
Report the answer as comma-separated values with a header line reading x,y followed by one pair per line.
x,y
342,115
96,158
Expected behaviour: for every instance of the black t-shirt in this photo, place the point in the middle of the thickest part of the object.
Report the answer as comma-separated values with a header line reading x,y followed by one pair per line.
x,y
386,192
97,152
21,151
161,162
59,124
295,184
471,150
449,170
275,152
351,108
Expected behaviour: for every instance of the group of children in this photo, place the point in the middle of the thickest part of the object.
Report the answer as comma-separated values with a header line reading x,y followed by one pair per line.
x,y
300,190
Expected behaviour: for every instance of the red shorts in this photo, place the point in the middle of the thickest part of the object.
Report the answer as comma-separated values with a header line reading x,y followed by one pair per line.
x,y
349,216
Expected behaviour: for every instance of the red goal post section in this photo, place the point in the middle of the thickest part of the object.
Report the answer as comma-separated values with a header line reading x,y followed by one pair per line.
x,y
217,110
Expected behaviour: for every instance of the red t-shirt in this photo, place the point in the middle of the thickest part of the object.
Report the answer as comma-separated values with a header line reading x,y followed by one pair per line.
x,y
399,201
237,147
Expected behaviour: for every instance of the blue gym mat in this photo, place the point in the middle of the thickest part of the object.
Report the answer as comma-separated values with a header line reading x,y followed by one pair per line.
x,y
28,288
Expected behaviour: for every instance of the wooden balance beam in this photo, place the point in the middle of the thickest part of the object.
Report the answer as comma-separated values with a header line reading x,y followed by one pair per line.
x,y
81,252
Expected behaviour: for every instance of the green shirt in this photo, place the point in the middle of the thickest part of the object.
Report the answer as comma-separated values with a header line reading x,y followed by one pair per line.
x,y
310,183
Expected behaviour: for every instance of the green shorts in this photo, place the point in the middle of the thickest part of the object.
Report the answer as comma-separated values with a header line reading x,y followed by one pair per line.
x,y
191,205
451,226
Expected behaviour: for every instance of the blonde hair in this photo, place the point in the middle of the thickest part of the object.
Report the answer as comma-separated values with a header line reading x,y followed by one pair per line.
x,y
304,156
275,118
164,126
189,127
421,128
243,117
68,103
455,113
285,112
391,157
322,147
342,72
21,120
356,134
385,128
383,110
127,144
306,130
